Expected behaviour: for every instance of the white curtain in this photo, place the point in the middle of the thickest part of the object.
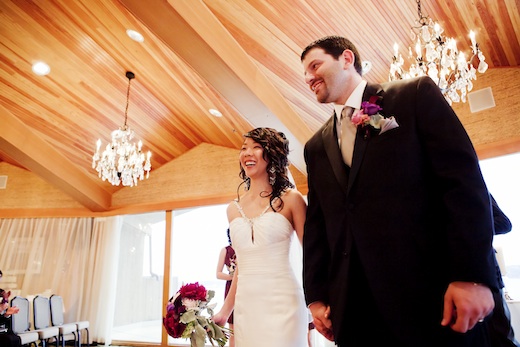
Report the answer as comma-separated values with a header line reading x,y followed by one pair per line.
x,y
102,276
72,257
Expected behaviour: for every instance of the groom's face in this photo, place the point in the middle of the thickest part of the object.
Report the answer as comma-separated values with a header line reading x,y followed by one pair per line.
x,y
325,75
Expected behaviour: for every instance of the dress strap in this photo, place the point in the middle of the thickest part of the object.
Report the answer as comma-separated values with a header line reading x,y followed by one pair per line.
x,y
240,209
246,217
265,210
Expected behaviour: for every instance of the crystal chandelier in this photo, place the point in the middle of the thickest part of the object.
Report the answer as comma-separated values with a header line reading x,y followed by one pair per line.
x,y
122,161
437,56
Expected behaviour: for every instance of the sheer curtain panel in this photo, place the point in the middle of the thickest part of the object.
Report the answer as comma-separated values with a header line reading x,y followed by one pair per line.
x,y
75,258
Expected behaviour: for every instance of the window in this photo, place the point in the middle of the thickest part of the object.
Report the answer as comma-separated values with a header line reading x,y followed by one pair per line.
x,y
197,238
501,175
198,235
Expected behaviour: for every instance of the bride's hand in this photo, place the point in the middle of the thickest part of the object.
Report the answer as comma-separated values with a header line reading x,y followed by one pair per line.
x,y
321,318
220,319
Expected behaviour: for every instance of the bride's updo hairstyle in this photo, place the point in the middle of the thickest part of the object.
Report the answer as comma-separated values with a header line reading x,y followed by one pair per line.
x,y
276,150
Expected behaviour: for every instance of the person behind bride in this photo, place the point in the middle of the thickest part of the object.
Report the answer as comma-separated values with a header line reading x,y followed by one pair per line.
x,y
227,258
268,303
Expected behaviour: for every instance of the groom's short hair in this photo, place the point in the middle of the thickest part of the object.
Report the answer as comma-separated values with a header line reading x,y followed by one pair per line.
x,y
335,45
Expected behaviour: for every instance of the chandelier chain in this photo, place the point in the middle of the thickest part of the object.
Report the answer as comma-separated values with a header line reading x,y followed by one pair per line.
x,y
127,102
422,19
122,161
130,75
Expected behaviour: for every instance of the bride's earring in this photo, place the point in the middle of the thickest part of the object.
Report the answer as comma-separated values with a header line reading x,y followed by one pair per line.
x,y
272,175
247,182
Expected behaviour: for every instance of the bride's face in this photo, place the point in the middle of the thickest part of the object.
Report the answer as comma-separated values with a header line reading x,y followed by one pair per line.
x,y
252,158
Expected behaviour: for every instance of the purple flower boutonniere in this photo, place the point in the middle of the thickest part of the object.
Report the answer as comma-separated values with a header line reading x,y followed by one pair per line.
x,y
368,115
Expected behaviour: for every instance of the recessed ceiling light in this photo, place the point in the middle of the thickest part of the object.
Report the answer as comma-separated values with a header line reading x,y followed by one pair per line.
x,y
366,66
134,35
215,112
40,68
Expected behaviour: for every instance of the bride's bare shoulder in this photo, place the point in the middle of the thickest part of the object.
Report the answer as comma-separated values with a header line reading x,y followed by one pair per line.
x,y
232,210
293,194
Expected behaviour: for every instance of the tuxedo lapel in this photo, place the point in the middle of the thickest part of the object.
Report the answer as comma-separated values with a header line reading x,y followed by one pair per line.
x,y
361,142
330,142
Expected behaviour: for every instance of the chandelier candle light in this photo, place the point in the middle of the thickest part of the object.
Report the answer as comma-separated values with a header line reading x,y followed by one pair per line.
x,y
437,56
122,161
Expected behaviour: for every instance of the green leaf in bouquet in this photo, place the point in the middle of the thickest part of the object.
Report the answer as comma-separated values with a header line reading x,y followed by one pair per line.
x,y
203,321
216,330
198,336
188,330
188,316
210,295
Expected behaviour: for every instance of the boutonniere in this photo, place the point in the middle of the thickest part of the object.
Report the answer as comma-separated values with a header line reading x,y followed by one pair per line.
x,y
369,117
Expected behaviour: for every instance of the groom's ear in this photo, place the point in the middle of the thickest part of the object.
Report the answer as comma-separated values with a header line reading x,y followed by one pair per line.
x,y
349,58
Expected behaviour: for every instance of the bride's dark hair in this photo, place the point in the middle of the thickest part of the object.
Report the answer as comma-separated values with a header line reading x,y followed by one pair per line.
x,y
276,150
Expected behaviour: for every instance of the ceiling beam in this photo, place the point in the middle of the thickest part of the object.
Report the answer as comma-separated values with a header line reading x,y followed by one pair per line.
x,y
193,32
24,146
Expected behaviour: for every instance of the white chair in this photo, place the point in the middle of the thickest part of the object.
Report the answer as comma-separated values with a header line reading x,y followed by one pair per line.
x,y
42,319
20,322
57,309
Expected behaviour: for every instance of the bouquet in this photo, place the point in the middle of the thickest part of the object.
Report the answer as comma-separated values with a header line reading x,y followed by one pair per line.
x,y
184,318
4,296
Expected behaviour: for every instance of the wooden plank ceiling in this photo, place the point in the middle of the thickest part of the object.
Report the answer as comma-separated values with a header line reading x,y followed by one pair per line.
x,y
240,57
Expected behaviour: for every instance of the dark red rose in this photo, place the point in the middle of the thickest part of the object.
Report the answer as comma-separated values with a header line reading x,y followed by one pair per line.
x,y
171,323
193,291
177,307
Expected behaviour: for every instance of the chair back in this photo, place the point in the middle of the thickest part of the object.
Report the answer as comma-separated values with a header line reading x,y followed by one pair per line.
x,y
20,321
42,312
56,310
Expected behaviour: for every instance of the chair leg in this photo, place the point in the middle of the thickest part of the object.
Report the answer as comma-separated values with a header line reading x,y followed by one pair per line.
x,y
79,338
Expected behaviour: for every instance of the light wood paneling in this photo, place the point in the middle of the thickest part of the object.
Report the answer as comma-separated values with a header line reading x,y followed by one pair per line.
x,y
205,175
206,172
25,190
495,131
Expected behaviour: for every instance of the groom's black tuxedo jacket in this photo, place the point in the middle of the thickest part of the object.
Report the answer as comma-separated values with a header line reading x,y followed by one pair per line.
x,y
414,205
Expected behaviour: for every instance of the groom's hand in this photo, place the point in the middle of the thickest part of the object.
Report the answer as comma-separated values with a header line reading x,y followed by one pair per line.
x,y
465,305
321,316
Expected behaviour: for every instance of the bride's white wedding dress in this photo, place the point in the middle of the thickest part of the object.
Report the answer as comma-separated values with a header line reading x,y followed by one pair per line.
x,y
269,304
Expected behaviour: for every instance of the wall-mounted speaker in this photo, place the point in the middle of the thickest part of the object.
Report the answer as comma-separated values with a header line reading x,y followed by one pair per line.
x,y
3,182
481,100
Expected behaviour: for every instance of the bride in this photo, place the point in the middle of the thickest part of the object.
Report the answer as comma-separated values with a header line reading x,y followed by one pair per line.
x,y
268,303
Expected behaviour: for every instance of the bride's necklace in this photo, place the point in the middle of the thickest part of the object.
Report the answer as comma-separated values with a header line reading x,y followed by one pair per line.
x,y
251,221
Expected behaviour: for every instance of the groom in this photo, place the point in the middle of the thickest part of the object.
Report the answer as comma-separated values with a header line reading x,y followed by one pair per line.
x,y
397,242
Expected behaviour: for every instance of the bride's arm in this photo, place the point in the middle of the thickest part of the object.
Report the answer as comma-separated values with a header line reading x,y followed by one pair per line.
x,y
298,211
229,303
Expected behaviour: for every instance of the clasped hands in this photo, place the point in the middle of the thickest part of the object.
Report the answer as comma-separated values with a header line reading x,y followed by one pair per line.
x,y
321,319
465,305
